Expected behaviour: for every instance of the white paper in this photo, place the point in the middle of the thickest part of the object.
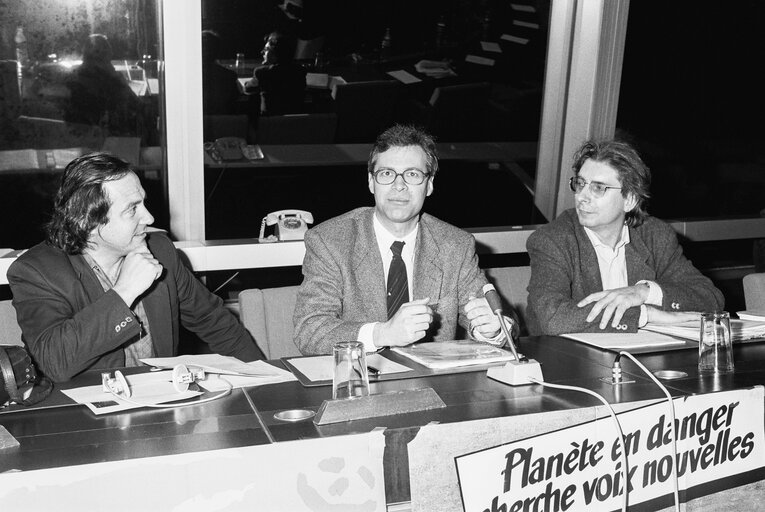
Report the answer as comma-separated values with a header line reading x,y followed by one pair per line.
x,y
483,61
317,80
146,388
319,368
488,46
243,381
740,330
404,76
627,340
514,39
213,363
523,8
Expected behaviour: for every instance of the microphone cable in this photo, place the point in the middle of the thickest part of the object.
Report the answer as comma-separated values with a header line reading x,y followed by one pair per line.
x,y
625,471
676,491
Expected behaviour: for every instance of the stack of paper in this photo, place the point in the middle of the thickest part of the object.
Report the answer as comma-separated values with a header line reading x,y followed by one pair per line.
x,y
757,316
625,341
740,329
454,354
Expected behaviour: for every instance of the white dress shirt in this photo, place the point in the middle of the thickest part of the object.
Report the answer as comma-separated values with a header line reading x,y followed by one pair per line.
x,y
612,264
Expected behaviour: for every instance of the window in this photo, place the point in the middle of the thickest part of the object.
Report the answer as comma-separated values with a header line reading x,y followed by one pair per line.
x,y
77,76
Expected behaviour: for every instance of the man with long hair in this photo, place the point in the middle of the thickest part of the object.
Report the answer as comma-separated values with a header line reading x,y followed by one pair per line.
x,y
104,291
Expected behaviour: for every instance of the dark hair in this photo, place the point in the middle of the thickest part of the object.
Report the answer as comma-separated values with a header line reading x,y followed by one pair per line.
x,y
97,50
212,44
81,204
400,135
634,174
283,46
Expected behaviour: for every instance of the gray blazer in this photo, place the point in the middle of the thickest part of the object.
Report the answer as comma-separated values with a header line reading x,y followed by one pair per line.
x,y
564,270
344,284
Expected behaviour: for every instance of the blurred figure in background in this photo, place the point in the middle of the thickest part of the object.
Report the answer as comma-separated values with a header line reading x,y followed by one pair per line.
x,y
220,89
280,81
99,95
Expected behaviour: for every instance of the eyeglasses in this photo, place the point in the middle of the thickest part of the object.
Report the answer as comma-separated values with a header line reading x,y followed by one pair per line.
x,y
597,188
411,176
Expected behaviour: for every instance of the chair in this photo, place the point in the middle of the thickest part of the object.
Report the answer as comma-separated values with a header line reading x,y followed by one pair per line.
x,y
217,126
297,129
459,112
754,291
10,332
267,314
10,99
365,109
512,284
306,49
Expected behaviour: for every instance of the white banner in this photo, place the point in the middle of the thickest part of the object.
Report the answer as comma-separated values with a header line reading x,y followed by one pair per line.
x,y
580,468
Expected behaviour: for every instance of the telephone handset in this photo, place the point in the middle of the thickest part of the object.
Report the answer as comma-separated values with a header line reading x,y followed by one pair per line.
x,y
290,224
230,148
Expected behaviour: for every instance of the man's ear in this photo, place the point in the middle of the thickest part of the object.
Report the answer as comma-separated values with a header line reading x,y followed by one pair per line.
x,y
430,186
371,182
630,202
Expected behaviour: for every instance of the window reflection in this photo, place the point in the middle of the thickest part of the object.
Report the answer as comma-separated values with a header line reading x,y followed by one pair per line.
x,y
77,76
469,71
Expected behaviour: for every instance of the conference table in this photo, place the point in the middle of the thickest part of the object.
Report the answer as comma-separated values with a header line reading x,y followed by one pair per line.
x,y
58,433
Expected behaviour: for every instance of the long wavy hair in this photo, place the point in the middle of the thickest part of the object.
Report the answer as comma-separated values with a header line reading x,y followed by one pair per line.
x,y
81,204
400,135
634,174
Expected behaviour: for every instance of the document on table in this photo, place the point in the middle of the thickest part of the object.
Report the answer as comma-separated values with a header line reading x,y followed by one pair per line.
x,y
740,329
214,363
626,341
404,76
320,368
145,389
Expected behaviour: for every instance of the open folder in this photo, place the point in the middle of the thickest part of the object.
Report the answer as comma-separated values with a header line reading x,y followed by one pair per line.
x,y
740,329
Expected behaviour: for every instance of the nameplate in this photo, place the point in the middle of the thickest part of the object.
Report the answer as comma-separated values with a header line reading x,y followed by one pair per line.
x,y
386,404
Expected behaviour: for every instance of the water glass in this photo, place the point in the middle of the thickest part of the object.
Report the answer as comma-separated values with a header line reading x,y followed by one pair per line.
x,y
239,66
350,378
715,346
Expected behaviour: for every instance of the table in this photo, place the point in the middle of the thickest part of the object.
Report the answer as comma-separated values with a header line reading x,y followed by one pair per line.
x,y
60,434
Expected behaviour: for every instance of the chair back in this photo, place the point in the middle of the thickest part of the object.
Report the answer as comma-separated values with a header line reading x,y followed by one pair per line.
x,y
10,332
754,291
267,314
10,99
306,49
460,112
512,285
217,126
366,109
297,129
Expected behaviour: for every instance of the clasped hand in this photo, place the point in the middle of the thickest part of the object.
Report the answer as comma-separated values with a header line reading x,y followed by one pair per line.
x,y
409,324
612,304
481,317
139,270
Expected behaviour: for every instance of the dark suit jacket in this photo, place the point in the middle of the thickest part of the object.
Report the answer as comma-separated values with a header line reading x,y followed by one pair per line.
x,y
344,284
564,270
70,325
282,88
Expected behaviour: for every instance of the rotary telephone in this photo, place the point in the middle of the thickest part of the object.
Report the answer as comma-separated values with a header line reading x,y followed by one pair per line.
x,y
290,224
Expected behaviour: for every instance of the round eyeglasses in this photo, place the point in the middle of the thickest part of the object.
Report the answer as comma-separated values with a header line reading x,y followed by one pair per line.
x,y
597,188
411,176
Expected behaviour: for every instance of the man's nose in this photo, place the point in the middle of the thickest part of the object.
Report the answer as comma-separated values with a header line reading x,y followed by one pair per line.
x,y
399,183
148,218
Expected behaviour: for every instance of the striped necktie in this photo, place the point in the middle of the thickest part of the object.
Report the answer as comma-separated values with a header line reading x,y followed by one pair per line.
x,y
398,286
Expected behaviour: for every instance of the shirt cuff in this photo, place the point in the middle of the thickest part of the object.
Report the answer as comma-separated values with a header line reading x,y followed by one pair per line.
x,y
655,294
366,336
643,319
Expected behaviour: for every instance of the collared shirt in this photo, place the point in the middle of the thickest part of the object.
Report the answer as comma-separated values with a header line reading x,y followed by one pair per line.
x,y
384,240
142,347
612,263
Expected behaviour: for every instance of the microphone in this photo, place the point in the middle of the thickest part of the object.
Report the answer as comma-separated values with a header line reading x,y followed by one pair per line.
x,y
495,304
522,370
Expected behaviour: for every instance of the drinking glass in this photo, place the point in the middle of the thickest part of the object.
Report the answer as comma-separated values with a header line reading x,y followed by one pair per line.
x,y
350,378
239,65
715,346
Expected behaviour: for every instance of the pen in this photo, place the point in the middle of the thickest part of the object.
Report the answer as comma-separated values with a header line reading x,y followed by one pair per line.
x,y
373,371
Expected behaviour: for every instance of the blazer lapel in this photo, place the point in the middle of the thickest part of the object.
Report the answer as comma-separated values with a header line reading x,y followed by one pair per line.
x,y
588,261
368,267
86,276
428,273
636,257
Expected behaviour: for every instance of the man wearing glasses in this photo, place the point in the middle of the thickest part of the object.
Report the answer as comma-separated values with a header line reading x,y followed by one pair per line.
x,y
389,275
606,265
